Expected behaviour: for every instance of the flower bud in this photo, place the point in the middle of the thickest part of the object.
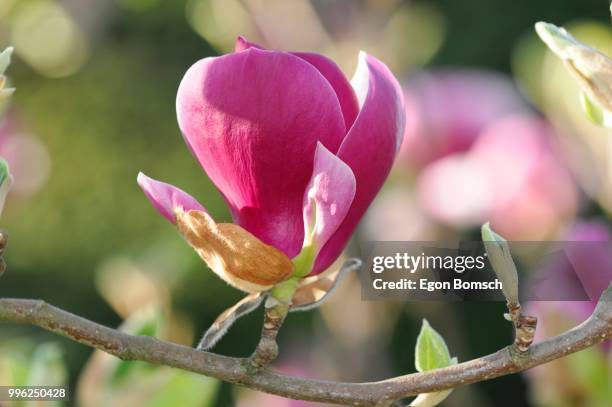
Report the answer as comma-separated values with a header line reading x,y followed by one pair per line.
x,y
234,254
501,260
589,67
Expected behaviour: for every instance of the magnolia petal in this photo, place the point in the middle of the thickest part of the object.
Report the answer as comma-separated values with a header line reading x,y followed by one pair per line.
x,y
313,291
166,198
224,321
253,119
337,79
234,254
370,146
330,70
328,197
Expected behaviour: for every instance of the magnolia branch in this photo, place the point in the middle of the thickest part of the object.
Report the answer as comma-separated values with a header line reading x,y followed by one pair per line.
x,y
596,329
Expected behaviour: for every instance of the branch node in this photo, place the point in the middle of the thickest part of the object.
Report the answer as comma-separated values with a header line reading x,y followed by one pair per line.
x,y
524,327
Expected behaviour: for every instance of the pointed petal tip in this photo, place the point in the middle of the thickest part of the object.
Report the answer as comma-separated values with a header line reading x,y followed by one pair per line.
x,y
241,44
143,181
364,58
321,149
167,198
141,177
556,38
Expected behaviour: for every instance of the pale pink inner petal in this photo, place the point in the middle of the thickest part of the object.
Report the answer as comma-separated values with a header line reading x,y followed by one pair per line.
x,y
167,198
328,197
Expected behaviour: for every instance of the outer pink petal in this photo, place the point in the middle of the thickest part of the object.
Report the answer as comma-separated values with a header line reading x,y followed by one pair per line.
x,y
253,119
342,87
331,72
167,198
328,196
370,146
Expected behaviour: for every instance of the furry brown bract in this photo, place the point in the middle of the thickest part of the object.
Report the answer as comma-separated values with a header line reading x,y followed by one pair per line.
x,y
234,254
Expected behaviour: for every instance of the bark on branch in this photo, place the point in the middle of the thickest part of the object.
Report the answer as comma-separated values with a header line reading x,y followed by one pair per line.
x,y
596,329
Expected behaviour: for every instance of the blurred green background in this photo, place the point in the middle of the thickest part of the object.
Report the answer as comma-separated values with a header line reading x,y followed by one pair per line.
x,y
96,82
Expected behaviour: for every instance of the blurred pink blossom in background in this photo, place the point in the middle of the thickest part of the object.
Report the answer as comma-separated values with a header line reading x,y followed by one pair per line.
x,y
448,109
512,176
473,153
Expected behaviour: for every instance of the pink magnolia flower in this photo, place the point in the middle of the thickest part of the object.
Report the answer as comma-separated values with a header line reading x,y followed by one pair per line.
x,y
512,175
297,151
450,108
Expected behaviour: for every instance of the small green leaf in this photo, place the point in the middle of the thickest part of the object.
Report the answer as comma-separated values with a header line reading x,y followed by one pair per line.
x,y
431,351
501,260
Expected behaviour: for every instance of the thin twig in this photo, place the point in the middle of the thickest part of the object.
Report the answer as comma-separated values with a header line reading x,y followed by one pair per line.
x,y
596,329
267,348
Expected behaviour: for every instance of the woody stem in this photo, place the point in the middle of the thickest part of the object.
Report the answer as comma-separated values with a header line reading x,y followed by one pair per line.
x,y
275,311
